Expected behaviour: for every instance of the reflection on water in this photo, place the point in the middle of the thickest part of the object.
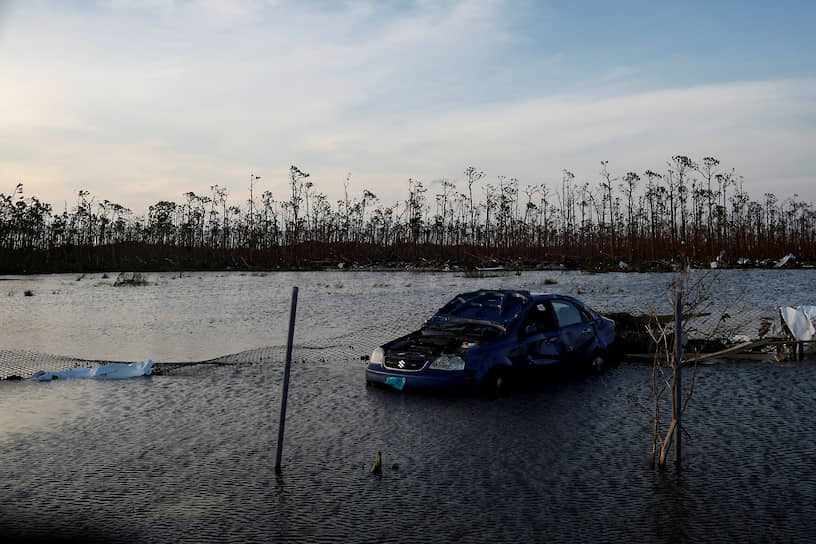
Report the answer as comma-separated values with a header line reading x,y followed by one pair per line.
x,y
26,408
189,457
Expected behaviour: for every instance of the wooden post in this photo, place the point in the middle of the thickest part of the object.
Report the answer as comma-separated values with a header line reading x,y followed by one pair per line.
x,y
678,385
285,387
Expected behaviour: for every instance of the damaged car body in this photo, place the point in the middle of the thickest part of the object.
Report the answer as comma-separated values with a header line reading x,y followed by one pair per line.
x,y
489,339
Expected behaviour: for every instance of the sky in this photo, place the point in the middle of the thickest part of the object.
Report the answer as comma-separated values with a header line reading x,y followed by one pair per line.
x,y
141,101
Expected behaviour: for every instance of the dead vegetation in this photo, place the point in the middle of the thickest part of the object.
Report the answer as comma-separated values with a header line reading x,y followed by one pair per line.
x,y
634,221
130,279
700,315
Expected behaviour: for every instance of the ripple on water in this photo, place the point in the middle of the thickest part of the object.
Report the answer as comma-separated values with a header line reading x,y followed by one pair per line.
x,y
188,457
191,459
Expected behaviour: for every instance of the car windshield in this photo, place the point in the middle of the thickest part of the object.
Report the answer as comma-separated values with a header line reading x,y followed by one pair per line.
x,y
500,307
465,329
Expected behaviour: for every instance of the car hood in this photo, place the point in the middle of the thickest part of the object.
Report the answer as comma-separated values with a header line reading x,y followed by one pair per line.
x,y
433,343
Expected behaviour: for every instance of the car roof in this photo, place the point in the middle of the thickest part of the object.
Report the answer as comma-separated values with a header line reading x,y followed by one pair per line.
x,y
525,294
522,293
495,306
547,296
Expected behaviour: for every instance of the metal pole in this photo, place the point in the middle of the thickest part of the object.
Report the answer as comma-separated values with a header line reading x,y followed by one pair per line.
x,y
678,384
285,388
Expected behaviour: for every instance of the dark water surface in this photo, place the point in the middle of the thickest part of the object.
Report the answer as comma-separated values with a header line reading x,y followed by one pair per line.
x,y
189,457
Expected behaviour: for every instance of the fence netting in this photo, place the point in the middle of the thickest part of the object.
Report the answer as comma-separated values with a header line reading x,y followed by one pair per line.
x,y
725,324
342,348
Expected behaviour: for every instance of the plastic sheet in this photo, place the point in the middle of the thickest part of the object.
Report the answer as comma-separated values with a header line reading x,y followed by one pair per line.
x,y
115,371
798,321
785,260
395,382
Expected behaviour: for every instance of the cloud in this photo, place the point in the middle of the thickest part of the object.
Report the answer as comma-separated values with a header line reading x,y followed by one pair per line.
x,y
143,101
751,126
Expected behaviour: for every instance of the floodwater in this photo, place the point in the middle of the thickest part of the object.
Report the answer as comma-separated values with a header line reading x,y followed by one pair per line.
x,y
189,457
203,315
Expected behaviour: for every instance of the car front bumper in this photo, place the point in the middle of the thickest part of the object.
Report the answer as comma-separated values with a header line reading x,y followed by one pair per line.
x,y
425,379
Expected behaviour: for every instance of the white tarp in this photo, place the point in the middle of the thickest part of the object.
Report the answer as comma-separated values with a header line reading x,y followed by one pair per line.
x,y
785,260
800,321
115,371
809,311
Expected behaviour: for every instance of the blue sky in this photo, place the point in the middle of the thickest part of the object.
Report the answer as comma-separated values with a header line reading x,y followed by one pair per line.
x,y
140,101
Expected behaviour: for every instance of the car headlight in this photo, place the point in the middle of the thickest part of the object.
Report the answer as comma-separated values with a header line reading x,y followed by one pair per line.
x,y
377,356
448,362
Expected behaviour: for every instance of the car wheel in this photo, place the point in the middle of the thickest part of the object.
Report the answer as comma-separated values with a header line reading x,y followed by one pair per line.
x,y
599,361
496,382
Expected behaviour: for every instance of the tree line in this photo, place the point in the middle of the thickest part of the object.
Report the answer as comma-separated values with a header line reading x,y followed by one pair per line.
x,y
697,209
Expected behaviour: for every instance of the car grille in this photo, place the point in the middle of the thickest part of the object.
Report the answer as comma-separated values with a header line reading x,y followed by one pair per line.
x,y
410,362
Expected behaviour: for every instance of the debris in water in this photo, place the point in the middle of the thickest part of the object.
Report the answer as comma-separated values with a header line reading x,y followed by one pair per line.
x,y
764,328
115,371
130,278
397,382
784,260
799,321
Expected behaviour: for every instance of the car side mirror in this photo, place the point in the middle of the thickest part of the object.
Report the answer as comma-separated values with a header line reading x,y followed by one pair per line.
x,y
529,331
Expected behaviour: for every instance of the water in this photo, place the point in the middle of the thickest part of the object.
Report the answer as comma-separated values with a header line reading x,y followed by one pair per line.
x,y
204,315
189,457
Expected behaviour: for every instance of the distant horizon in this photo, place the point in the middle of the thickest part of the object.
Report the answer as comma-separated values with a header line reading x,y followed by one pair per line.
x,y
139,102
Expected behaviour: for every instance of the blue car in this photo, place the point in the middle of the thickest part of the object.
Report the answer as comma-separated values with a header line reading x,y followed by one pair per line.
x,y
489,339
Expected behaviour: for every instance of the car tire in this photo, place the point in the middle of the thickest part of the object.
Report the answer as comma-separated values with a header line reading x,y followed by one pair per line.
x,y
599,361
497,382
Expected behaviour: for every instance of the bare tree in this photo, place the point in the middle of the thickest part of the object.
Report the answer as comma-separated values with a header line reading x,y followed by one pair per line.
x,y
472,176
296,181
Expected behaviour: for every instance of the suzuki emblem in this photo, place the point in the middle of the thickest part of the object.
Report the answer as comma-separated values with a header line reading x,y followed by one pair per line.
x,y
401,364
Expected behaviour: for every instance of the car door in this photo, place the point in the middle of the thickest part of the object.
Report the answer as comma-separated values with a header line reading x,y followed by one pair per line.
x,y
576,331
539,348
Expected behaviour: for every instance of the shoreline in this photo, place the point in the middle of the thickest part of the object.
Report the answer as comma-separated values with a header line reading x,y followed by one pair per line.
x,y
476,267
